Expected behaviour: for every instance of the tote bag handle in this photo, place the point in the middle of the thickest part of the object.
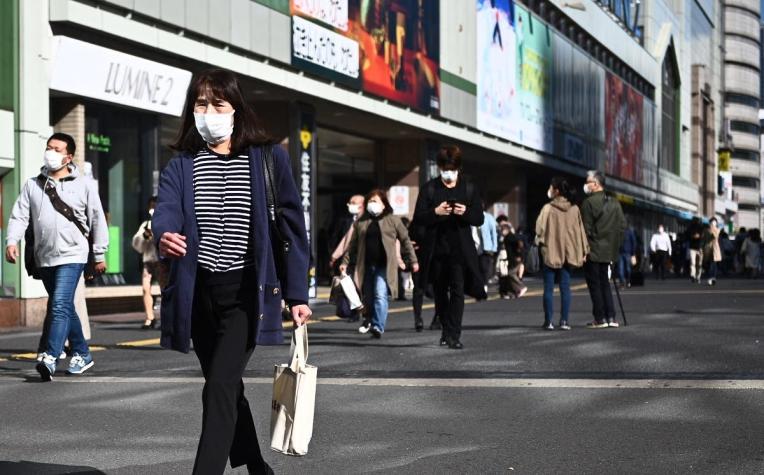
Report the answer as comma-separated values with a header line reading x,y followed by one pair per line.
x,y
299,348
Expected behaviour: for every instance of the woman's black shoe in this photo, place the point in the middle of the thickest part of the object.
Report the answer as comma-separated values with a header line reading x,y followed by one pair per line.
x,y
265,469
435,324
418,324
149,324
443,341
455,345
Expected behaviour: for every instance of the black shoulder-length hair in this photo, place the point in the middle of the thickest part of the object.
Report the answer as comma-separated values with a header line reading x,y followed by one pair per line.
x,y
382,196
220,84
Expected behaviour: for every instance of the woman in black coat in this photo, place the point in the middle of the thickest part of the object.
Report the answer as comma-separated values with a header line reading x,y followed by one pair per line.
x,y
224,291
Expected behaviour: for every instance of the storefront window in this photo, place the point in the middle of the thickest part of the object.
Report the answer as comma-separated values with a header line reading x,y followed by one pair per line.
x,y
122,146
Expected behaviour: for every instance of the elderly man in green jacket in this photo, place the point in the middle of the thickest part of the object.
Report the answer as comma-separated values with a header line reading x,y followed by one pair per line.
x,y
604,224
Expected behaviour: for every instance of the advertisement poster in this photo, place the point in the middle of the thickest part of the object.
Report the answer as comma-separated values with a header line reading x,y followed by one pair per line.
x,y
623,129
497,111
399,200
389,48
533,67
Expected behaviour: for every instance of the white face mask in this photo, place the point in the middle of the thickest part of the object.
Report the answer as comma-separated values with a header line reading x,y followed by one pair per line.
x,y
53,160
151,212
586,189
214,128
549,194
354,209
449,176
375,208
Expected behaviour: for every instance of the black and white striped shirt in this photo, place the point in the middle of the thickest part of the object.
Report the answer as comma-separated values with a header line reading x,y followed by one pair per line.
x,y
223,204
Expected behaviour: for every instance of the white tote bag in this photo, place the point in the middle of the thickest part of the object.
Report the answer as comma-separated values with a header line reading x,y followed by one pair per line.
x,y
350,291
294,399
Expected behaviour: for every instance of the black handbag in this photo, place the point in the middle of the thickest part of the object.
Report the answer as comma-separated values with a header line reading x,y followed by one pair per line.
x,y
280,245
29,262
63,208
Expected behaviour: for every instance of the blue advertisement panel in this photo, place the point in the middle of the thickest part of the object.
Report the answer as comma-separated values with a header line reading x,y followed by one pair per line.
x,y
496,52
514,62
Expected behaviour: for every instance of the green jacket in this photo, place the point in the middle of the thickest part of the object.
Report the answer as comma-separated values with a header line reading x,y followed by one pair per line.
x,y
605,225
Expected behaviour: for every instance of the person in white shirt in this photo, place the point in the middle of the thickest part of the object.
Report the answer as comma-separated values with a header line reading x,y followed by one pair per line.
x,y
660,245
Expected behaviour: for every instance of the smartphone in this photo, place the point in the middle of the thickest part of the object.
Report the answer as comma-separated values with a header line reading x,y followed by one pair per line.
x,y
451,203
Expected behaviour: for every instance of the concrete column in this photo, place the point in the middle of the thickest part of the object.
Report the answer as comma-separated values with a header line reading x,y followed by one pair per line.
x,y
32,130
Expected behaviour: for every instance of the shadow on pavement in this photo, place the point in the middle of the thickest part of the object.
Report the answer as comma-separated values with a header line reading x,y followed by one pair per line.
x,y
25,467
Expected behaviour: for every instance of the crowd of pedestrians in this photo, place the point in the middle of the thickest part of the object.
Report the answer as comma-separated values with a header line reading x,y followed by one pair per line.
x,y
226,239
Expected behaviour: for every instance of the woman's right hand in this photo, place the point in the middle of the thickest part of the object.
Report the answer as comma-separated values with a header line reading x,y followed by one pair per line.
x,y
172,245
443,209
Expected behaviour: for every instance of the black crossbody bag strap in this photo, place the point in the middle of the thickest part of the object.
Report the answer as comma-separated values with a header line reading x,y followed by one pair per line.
x,y
66,210
280,245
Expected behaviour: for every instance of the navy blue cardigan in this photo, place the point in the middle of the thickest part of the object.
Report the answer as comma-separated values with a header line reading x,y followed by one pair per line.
x,y
174,213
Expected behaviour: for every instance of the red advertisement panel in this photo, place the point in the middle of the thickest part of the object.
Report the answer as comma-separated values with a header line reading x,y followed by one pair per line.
x,y
623,130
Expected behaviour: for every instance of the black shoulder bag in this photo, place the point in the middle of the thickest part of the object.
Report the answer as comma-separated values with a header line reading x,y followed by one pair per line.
x,y
63,208
280,245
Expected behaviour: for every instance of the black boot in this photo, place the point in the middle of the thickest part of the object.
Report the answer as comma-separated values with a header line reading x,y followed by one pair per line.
x,y
435,324
418,323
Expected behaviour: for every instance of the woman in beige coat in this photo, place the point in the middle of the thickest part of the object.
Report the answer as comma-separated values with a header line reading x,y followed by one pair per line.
x,y
562,242
372,251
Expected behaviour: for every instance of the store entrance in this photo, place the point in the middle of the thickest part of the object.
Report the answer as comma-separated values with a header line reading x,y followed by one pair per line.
x,y
122,147
345,168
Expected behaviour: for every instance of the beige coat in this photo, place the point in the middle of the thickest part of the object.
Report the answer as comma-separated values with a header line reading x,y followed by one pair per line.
x,y
560,234
392,231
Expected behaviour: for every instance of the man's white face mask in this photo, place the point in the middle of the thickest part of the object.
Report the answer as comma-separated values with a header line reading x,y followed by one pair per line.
x,y
214,128
53,160
449,176
354,209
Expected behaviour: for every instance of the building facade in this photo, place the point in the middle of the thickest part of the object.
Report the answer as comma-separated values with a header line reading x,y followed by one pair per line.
x,y
364,93
742,99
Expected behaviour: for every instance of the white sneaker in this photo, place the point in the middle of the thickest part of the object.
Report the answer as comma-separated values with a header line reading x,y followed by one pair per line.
x,y
364,329
61,357
613,324
522,292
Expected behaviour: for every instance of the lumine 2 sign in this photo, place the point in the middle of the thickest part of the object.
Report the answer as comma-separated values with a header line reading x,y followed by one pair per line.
x,y
100,73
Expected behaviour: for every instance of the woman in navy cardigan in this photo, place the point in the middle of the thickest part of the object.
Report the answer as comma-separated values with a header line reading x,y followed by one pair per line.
x,y
211,224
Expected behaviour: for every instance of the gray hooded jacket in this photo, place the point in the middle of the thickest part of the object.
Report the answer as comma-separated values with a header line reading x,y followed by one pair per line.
x,y
57,240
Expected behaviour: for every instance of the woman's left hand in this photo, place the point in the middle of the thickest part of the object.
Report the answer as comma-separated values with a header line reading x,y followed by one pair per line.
x,y
301,314
415,268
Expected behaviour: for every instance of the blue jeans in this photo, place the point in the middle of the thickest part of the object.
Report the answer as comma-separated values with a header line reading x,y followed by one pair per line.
x,y
60,283
375,293
549,277
624,268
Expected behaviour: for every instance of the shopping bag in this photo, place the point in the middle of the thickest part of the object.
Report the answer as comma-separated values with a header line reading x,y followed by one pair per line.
x,y
348,287
294,399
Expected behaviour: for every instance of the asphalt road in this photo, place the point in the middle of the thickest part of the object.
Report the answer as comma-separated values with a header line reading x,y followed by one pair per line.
x,y
680,390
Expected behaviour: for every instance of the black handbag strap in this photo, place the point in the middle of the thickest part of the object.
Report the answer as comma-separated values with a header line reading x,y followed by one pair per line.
x,y
59,205
271,192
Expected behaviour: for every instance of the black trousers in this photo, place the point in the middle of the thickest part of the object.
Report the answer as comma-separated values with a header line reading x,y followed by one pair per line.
x,y
448,287
599,290
487,265
661,257
223,326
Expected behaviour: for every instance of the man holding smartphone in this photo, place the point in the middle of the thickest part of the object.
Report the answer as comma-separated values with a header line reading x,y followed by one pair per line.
x,y
447,207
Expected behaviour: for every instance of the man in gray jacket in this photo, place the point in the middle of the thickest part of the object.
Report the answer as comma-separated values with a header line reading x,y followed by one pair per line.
x,y
60,247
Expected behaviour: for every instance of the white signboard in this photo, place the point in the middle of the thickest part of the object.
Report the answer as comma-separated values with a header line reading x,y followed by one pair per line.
x,y
399,199
93,71
324,47
331,12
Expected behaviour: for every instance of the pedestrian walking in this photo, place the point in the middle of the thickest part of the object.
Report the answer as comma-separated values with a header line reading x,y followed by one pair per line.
x,y
660,246
695,244
422,286
228,274
751,252
604,224
355,208
63,211
510,261
712,250
740,238
447,206
143,243
627,256
561,239
489,246
372,251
